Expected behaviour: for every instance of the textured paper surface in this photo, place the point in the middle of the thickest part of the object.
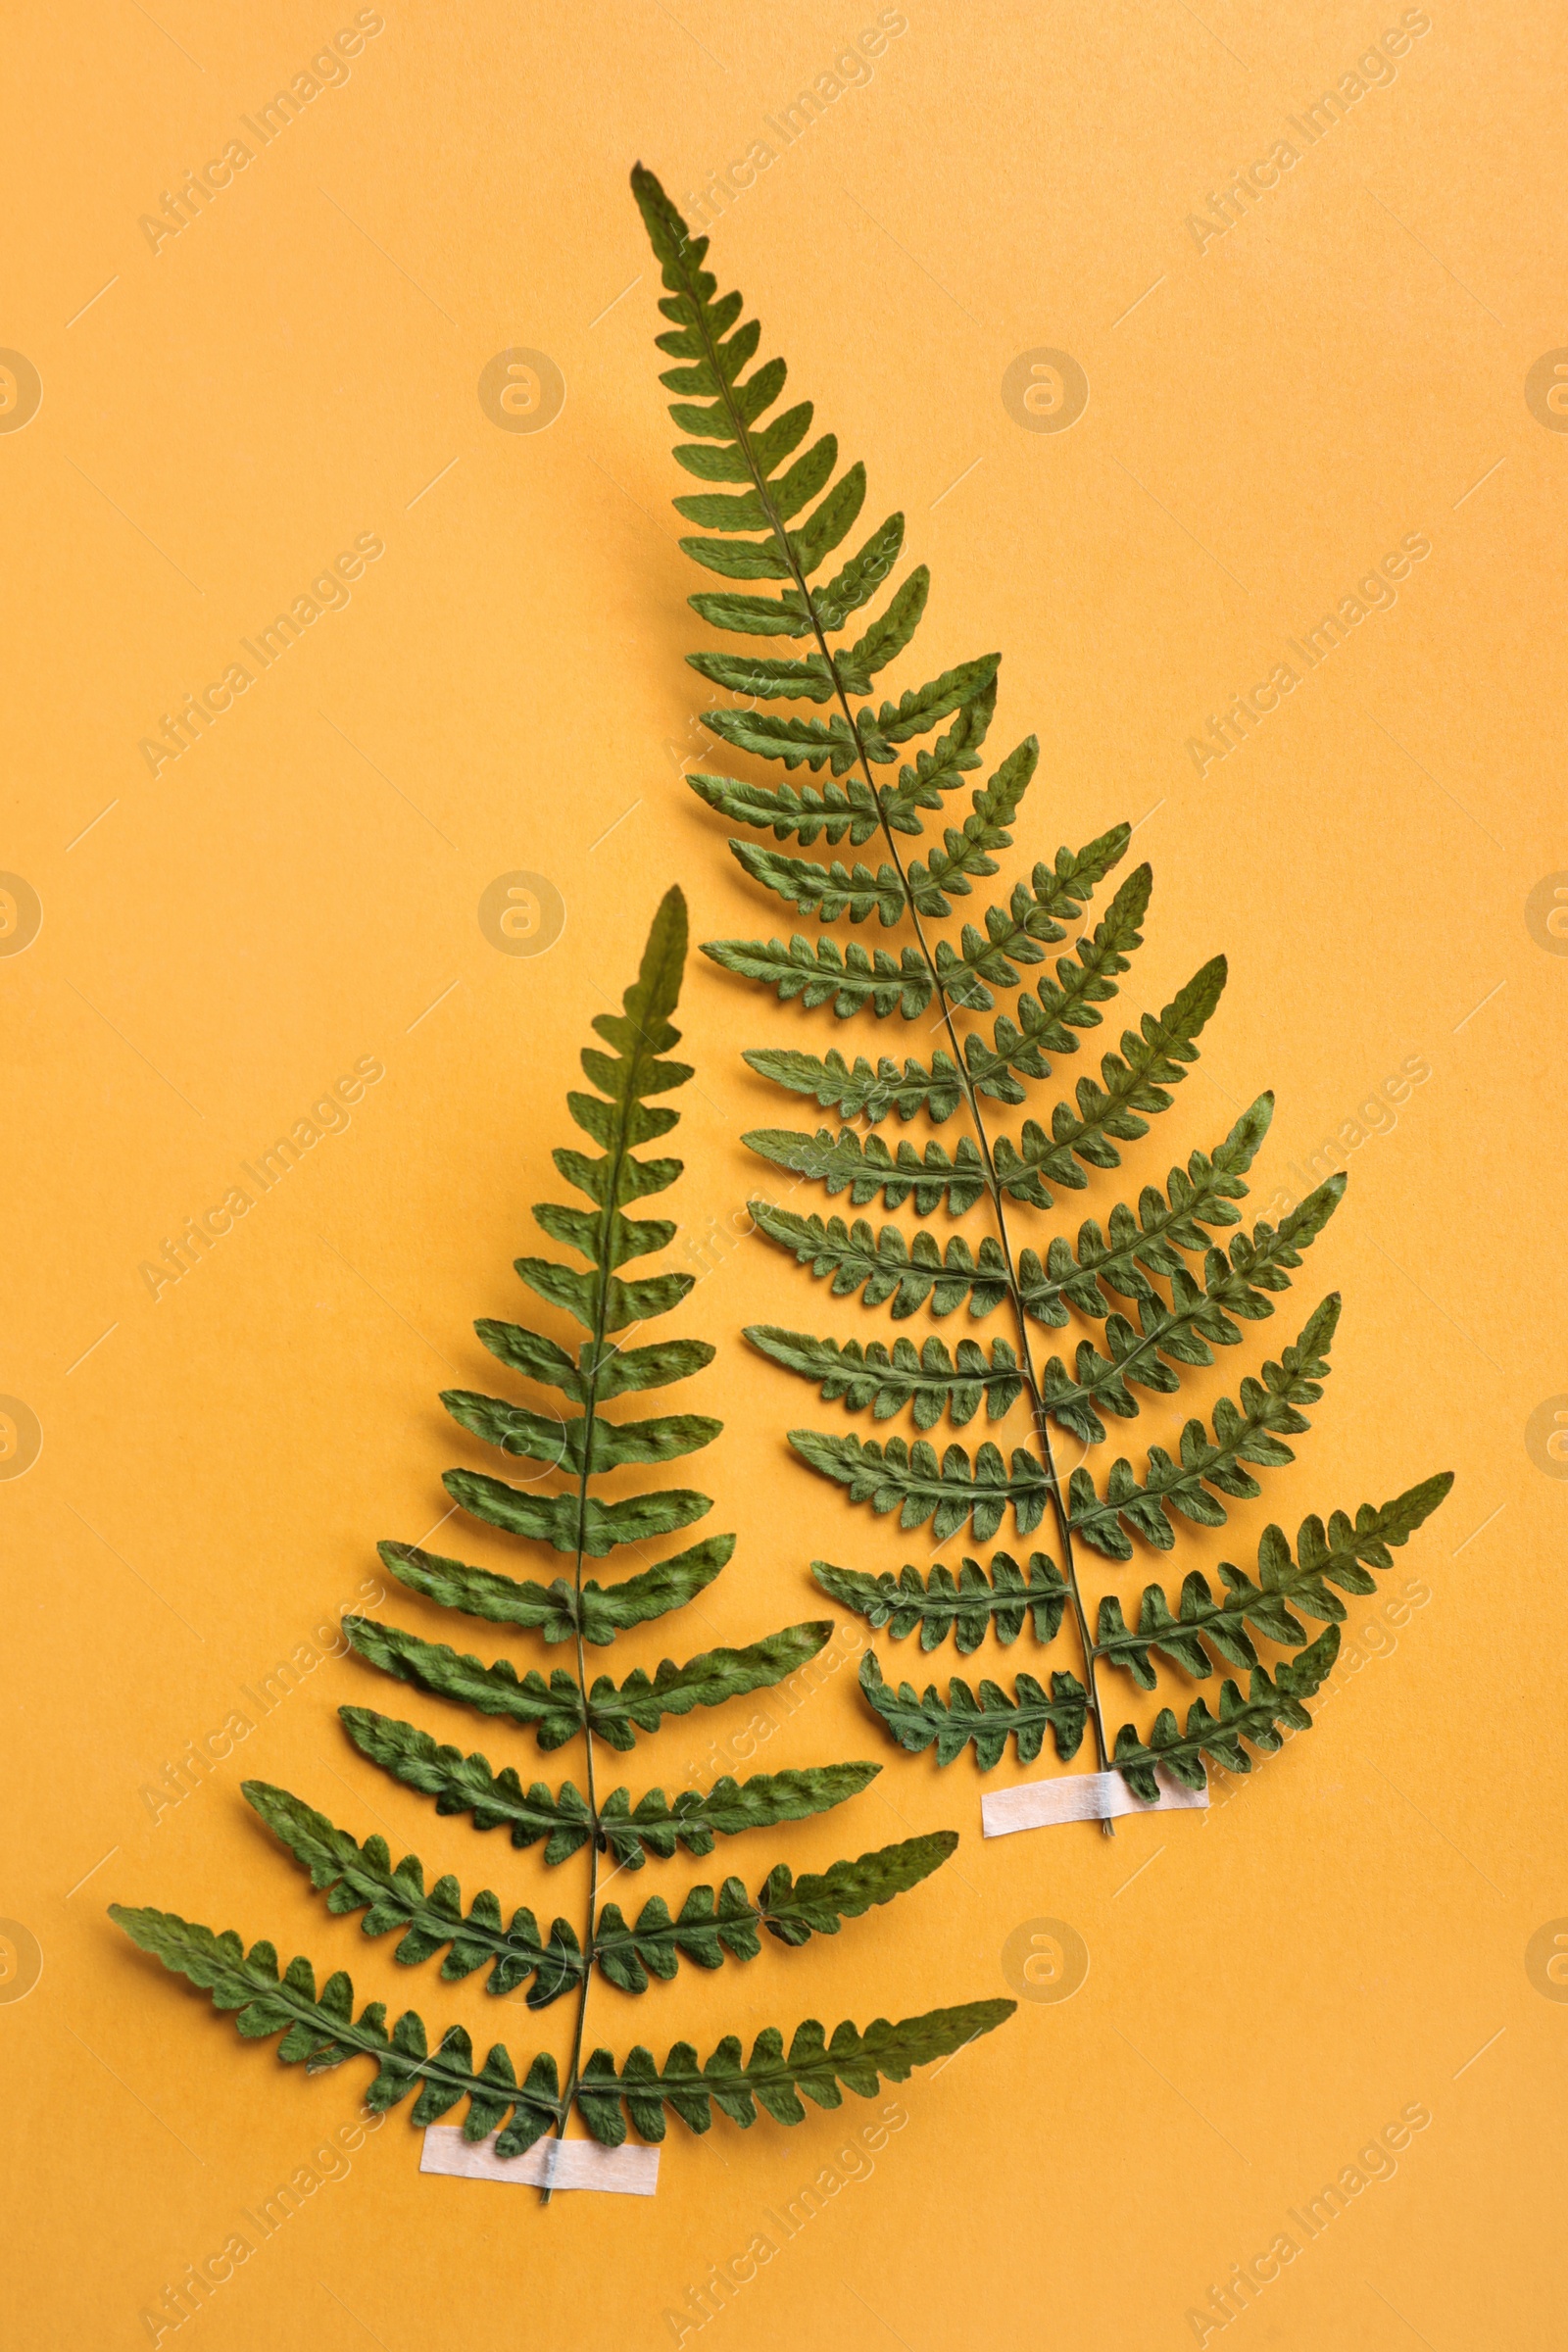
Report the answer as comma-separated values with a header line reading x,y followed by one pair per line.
x,y
1078,1797
625,2171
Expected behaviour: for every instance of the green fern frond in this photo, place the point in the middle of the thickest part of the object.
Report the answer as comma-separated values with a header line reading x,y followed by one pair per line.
x,y
1339,1554
930,1382
975,1607
362,1877
557,1711
1252,1433
630,1834
705,1922
792,1910
841,1162
911,1480
320,2030
1131,1273
986,1722
1271,1700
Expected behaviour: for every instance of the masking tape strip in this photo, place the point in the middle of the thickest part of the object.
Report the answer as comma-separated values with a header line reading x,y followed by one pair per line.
x,y
1078,1797
623,2172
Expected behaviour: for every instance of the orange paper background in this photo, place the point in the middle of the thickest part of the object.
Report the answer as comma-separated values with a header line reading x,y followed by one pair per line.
x,y
1270,410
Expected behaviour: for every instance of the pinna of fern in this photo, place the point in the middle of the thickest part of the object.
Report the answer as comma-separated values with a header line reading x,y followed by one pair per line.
x,y
1154,1286
572,1520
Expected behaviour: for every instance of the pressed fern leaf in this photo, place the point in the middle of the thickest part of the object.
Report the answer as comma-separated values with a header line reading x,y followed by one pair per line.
x,y
557,1710
1252,1433
930,1382
975,1607
1271,1701
792,1910
362,1877
706,1924
627,1832
320,2030
1338,1554
864,1167
558,1612
987,1721
1150,1278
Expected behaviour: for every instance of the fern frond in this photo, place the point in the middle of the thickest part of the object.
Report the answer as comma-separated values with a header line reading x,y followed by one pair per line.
x,y
628,1832
817,973
1187,1331
1133,1081
1339,1554
930,1381
1194,1198
861,1091
560,1611
1270,1700
1255,1432
554,1713
1035,916
321,2031
986,1722
974,1607
841,1162
913,1273
910,1479
709,1926
362,1877
1176,1313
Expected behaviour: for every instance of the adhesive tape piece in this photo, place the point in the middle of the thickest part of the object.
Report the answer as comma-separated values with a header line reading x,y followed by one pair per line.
x,y
1078,1797
625,2171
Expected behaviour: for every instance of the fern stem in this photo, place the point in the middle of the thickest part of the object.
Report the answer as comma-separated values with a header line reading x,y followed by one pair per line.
x,y
590,1410
569,2091
1042,1428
